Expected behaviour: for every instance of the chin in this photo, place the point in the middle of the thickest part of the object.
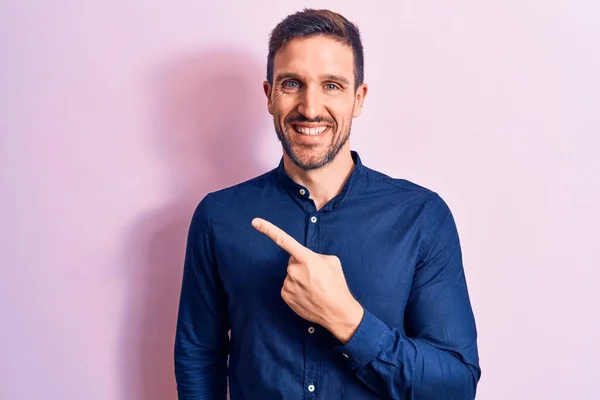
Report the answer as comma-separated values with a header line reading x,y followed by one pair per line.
x,y
309,160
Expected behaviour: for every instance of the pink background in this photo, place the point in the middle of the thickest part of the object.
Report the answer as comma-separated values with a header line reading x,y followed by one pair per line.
x,y
116,117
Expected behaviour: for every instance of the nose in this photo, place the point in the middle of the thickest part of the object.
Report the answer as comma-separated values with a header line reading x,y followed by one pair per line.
x,y
311,103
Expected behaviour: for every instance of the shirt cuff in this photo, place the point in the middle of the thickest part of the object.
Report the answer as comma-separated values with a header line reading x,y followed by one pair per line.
x,y
367,342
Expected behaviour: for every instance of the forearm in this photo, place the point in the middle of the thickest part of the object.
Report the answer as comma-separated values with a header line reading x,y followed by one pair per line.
x,y
201,349
200,377
398,367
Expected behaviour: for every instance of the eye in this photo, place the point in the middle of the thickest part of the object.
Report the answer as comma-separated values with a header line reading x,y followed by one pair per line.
x,y
331,86
291,84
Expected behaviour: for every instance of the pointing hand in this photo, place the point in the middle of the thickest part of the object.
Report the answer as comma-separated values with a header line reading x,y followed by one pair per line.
x,y
315,286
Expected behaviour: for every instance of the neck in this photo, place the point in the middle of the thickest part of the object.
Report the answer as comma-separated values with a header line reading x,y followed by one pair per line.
x,y
325,183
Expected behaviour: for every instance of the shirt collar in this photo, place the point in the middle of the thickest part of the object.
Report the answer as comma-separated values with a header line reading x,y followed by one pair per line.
x,y
301,191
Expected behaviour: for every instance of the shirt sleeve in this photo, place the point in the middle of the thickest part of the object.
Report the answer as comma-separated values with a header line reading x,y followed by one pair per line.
x,y
201,339
436,355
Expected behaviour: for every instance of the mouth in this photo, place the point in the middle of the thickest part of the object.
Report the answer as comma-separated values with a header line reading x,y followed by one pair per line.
x,y
315,130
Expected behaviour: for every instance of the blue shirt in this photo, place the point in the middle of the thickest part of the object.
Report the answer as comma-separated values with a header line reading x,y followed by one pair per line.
x,y
401,257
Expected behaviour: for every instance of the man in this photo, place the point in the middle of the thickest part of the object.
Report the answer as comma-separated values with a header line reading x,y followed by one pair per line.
x,y
334,280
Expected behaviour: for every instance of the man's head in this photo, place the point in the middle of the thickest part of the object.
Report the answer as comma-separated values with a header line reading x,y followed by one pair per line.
x,y
314,84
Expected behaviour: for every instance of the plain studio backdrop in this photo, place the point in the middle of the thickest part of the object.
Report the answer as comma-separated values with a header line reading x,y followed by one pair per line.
x,y
117,117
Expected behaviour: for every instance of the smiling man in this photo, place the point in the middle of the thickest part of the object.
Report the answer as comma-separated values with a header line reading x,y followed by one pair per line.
x,y
335,281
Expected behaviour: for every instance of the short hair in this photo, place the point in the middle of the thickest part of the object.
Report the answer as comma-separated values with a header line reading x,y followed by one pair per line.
x,y
311,22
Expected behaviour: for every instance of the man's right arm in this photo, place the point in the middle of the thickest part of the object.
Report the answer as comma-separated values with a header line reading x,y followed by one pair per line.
x,y
201,340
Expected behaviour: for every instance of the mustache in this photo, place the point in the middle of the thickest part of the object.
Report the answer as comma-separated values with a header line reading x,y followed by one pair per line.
x,y
302,118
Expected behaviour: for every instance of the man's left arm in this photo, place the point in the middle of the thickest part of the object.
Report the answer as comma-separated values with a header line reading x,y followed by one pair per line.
x,y
436,356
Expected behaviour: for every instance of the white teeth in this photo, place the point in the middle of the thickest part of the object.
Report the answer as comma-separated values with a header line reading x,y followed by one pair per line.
x,y
310,131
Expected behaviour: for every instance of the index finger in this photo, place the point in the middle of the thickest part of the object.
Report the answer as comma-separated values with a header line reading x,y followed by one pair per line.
x,y
282,239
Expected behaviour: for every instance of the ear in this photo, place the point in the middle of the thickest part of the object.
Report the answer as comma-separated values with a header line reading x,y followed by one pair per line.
x,y
361,93
267,89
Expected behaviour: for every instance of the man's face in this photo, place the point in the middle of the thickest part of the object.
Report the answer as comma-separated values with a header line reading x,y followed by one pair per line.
x,y
313,100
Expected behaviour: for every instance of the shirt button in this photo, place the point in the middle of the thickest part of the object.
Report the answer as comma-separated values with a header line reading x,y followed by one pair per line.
x,y
313,219
311,330
302,192
311,388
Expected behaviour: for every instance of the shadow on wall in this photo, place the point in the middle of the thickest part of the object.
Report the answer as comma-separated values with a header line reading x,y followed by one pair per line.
x,y
208,110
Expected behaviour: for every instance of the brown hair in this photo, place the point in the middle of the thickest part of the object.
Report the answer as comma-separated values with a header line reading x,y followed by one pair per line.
x,y
310,22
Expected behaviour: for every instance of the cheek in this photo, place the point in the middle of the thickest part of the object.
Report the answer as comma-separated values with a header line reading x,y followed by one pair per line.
x,y
342,118
342,111
282,103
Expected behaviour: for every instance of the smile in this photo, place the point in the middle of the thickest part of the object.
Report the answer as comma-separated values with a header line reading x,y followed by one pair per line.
x,y
312,131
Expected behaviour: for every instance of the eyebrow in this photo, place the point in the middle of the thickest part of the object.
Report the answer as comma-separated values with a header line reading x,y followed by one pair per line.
x,y
337,78
328,77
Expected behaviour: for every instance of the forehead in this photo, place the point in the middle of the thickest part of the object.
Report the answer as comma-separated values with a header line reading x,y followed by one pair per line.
x,y
315,55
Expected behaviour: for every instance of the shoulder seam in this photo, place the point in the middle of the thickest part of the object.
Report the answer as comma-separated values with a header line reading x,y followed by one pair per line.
x,y
418,188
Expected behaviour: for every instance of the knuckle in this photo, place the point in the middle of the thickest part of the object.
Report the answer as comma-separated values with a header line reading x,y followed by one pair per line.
x,y
281,241
332,259
291,271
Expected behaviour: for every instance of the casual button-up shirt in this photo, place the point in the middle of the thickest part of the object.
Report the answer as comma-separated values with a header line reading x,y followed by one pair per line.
x,y
401,258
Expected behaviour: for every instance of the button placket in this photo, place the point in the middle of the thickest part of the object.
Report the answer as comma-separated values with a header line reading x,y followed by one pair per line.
x,y
313,357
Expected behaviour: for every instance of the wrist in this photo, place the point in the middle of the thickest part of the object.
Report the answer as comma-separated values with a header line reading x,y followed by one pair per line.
x,y
344,325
